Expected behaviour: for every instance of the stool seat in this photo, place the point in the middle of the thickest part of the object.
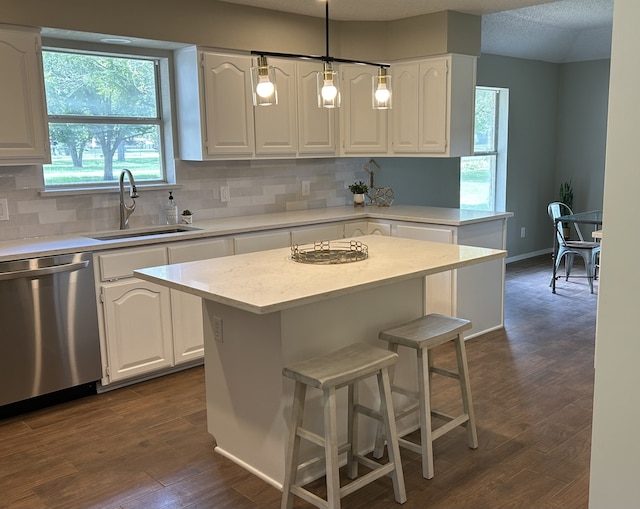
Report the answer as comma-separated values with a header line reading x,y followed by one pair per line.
x,y
329,372
423,335
428,331
341,367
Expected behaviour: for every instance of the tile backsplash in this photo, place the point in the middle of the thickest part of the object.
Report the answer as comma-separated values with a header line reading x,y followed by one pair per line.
x,y
256,187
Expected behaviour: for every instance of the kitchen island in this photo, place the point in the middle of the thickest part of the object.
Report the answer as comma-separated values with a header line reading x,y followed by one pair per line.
x,y
263,311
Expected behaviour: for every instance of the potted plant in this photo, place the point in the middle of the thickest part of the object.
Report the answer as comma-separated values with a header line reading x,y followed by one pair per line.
x,y
359,189
566,197
187,216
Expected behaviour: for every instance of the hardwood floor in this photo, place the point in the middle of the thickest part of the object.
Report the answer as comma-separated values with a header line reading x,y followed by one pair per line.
x,y
146,446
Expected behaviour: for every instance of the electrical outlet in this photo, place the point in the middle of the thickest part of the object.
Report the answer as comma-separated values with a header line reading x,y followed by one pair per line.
x,y
225,194
217,329
306,187
4,209
523,232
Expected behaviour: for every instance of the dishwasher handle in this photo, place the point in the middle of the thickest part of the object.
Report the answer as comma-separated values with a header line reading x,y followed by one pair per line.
x,y
44,271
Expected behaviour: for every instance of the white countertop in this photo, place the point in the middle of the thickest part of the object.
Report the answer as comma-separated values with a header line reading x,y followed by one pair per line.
x,y
269,281
80,242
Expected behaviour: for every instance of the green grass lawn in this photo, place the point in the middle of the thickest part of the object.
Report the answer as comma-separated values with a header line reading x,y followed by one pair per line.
x,y
62,171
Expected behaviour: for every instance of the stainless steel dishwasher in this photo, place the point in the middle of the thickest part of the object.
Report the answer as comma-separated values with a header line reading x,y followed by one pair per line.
x,y
49,339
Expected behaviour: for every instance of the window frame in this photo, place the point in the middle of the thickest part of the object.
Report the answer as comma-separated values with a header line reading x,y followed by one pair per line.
x,y
499,152
163,68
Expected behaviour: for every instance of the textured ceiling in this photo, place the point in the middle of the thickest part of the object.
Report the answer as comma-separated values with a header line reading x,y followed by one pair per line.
x,y
553,31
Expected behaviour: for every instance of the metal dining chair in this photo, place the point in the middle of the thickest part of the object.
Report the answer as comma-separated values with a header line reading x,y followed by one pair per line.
x,y
567,248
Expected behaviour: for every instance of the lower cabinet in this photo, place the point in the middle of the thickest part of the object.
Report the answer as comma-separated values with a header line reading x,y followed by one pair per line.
x,y
146,328
476,292
137,320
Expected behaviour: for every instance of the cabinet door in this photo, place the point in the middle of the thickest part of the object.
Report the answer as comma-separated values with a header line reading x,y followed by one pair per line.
x,y
316,126
364,129
186,309
404,114
432,104
440,292
228,106
275,125
138,328
24,132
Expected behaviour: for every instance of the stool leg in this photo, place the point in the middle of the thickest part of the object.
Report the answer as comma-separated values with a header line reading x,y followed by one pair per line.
x,y
388,415
424,412
465,389
331,449
378,449
352,430
293,445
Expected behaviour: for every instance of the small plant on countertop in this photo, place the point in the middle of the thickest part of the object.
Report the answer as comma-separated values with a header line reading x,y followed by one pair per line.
x,y
187,212
358,187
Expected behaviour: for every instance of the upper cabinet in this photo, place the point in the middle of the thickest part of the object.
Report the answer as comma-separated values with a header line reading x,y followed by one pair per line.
x,y
433,106
24,133
295,126
215,109
364,130
432,115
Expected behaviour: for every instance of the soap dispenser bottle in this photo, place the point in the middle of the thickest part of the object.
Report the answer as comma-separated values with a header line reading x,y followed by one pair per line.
x,y
171,210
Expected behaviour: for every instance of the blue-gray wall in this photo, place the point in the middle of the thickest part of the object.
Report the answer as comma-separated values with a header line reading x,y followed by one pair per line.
x,y
557,131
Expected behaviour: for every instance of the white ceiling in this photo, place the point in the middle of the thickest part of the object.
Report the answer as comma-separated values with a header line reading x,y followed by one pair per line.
x,y
553,31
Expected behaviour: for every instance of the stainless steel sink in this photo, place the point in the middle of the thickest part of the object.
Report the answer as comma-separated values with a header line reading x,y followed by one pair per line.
x,y
142,232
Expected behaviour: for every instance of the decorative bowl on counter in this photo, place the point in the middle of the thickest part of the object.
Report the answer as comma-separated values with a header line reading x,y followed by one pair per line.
x,y
325,252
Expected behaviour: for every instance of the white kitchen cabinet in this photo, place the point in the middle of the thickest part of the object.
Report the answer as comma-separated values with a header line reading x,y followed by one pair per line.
x,y
186,309
134,316
475,293
434,106
311,234
317,133
363,129
24,131
261,241
214,105
439,287
359,228
276,125
137,319
295,126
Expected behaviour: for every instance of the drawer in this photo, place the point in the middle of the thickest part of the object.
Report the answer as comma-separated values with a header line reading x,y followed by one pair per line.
x,y
261,242
121,264
199,250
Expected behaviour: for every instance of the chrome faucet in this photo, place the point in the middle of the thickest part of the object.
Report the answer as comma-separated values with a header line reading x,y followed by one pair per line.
x,y
127,210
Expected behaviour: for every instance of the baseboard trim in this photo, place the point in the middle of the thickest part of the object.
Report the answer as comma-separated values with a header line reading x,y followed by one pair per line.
x,y
524,256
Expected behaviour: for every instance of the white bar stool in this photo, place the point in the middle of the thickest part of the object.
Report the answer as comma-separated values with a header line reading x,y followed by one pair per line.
x,y
346,366
423,335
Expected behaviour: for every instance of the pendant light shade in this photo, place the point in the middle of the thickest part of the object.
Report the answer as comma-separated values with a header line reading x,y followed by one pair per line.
x,y
263,83
328,87
381,90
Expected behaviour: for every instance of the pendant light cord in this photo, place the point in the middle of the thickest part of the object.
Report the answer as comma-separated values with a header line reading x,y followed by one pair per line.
x,y
326,29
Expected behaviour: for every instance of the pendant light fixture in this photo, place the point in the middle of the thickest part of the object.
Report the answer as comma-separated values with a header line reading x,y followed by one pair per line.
x,y
264,85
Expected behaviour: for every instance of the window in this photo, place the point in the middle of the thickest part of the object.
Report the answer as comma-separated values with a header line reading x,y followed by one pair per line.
x,y
105,114
483,175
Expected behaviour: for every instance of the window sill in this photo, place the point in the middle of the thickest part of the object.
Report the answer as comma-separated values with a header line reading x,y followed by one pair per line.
x,y
70,191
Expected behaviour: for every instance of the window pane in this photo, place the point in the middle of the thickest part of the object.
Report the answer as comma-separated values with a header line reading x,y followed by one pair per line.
x,y
477,185
92,85
96,153
485,120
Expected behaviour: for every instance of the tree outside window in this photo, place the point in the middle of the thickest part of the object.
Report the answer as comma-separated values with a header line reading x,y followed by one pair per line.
x,y
103,117
483,175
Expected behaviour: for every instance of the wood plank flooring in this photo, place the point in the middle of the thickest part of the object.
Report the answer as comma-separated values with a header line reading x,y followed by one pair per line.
x,y
146,446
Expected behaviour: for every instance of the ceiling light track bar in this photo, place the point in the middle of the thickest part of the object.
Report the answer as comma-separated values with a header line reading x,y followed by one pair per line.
x,y
318,58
